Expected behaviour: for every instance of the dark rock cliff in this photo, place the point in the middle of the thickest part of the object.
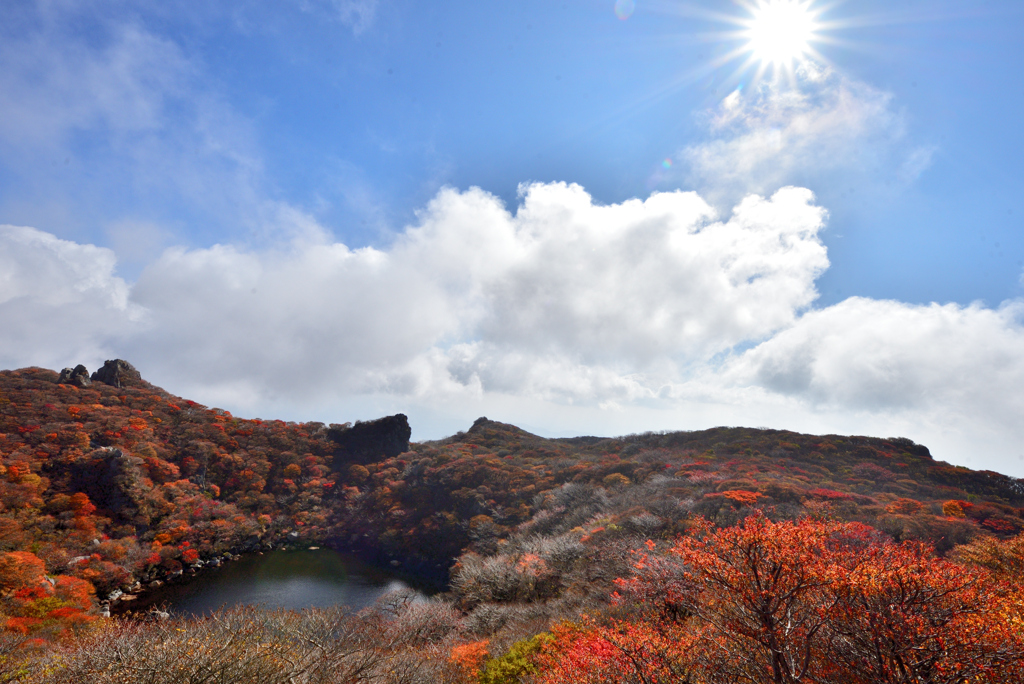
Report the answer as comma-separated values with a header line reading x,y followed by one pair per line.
x,y
112,479
371,441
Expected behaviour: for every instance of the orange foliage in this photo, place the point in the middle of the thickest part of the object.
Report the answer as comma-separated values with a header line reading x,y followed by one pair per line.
x,y
74,590
22,625
469,658
741,496
100,463
807,601
20,569
953,509
904,506
620,652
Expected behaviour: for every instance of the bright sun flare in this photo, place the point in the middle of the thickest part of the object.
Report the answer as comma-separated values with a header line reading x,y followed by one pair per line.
x,y
780,31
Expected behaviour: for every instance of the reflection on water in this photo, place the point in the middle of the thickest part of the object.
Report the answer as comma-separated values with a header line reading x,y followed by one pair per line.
x,y
292,579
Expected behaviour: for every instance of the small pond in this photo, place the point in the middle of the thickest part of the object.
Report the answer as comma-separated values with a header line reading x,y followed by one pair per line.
x,y
293,579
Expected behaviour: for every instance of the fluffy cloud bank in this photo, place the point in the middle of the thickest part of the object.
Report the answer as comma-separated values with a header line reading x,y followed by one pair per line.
x,y
59,300
659,309
873,354
473,296
953,375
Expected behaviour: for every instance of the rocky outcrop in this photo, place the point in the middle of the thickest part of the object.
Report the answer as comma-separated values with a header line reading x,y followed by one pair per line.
x,y
118,373
371,441
112,479
77,376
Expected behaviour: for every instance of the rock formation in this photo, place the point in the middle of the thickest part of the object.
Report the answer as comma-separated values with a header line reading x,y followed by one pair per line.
x,y
111,478
77,376
118,373
371,441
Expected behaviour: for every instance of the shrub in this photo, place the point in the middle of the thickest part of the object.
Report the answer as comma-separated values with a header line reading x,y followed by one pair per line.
x,y
518,662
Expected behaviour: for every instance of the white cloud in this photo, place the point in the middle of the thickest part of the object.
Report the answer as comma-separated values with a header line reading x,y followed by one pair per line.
x,y
59,300
884,354
562,299
947,376
136,242
558,300
821,123
640,281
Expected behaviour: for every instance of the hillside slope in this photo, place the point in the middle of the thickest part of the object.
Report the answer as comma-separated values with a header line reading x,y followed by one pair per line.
x,y
112,484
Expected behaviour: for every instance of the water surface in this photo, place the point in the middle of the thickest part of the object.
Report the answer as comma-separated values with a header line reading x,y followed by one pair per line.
x,y
292,579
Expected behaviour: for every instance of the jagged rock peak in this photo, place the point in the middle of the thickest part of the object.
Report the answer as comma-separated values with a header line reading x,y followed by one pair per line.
x,y
77,376
119,373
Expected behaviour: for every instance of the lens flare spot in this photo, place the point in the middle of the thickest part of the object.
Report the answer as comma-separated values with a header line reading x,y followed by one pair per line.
x,y
624,9
667,164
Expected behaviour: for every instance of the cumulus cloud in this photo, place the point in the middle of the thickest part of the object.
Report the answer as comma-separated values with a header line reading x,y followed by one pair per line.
x,y
868,353
950,376
477,295
580,294
59,300
631,282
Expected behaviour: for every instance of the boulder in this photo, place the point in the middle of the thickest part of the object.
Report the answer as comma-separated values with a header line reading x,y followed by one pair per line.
x,y
77,376
119,373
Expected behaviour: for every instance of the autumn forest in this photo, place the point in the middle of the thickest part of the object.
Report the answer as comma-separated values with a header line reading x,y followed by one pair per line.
x,y
723,555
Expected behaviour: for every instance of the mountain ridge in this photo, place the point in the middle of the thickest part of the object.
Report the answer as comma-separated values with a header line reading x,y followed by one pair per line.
x,y
118,485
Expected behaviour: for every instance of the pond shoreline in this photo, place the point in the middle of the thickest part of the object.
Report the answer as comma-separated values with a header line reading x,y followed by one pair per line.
x,y
157,597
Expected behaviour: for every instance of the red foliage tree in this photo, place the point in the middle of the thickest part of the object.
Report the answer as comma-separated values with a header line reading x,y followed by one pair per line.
x,y
903,616
807,601
20,569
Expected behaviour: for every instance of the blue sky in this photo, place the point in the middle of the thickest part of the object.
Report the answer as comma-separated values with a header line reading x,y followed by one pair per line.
x,y
452,209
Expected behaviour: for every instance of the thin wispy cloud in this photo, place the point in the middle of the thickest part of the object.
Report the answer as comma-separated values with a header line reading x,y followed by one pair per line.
x,y
167,138
819,123
357,15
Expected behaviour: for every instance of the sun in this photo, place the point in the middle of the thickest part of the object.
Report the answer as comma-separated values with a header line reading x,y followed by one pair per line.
x,y
780,32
